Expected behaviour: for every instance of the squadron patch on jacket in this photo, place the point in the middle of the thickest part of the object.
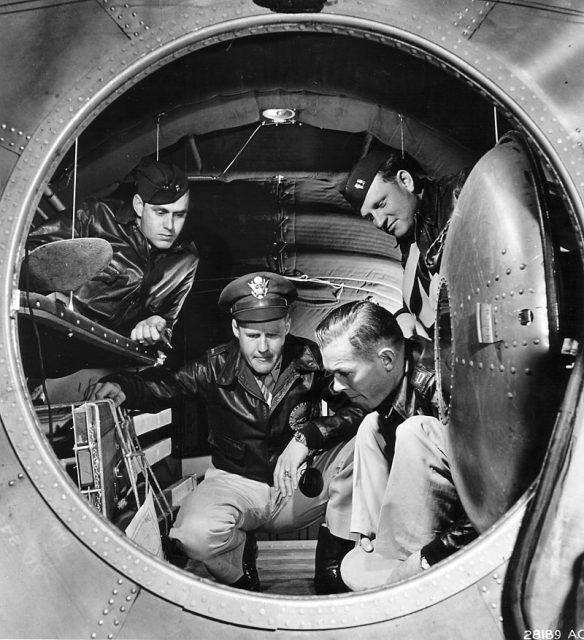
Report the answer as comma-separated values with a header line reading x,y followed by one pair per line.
x,y
301,414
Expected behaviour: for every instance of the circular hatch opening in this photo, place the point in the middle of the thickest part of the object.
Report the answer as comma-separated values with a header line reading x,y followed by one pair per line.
x,y
163,57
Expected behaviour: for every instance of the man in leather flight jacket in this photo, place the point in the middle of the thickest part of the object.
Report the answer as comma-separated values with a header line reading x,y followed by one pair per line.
x,y
263,394
141,291
403,492
386,188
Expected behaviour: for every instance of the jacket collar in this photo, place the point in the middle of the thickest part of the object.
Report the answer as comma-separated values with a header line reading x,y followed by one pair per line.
x,y
428,203
419,355
126,214
423,217
297,356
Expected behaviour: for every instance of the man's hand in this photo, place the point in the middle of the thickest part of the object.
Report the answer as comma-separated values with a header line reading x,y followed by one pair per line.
x,y
286,471
105,390
409,567
150,330
366,544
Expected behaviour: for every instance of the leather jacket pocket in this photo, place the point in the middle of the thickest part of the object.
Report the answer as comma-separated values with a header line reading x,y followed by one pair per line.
x,y
109,275
229,447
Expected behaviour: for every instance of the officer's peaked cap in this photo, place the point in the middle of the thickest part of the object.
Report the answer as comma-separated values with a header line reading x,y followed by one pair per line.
x,y
258,297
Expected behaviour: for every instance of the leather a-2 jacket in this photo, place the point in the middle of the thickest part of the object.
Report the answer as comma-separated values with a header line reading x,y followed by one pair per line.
x,y
417,394
431,223
140,280
433,216
246,435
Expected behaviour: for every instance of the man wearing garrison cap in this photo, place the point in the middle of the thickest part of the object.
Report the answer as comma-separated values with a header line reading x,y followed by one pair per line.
x,y
386,188
142,289
263,393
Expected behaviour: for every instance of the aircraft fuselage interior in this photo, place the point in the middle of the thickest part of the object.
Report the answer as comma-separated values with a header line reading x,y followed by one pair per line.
x,y
266,107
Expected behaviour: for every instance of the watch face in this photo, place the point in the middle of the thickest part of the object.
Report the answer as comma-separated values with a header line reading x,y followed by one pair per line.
x,y
424,564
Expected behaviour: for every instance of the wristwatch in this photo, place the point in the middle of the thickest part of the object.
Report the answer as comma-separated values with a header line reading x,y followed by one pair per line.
x,y
300,437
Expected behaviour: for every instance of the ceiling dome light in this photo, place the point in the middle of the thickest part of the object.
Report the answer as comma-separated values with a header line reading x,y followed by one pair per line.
x,y
279,116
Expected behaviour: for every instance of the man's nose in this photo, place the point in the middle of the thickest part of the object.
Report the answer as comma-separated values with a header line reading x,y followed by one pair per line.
x,y
168,222
263,344
377,219
338,385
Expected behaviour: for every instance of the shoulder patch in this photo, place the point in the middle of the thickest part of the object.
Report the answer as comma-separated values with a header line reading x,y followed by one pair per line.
x,y
302,413
422,379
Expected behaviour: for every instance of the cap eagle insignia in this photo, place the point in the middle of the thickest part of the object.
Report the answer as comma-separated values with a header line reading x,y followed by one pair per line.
x,y
259,287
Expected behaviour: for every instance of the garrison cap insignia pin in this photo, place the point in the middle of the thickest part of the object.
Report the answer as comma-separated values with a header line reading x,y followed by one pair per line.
x,y
170,187
360,184
259,287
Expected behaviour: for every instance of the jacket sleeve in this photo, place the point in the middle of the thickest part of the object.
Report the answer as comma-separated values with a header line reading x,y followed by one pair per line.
x,y
174,302
59,227
156,388
423,377
327,431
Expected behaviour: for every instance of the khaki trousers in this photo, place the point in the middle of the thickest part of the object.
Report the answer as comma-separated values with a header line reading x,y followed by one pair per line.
x,y
212,522
417,500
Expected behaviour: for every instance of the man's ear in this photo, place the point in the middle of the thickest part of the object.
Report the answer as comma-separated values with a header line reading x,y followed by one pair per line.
x,y
406,179
235,328
387,355
288,324
138,205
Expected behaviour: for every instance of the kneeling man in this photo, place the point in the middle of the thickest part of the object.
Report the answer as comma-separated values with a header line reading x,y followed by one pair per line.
x,y
263,393
405,506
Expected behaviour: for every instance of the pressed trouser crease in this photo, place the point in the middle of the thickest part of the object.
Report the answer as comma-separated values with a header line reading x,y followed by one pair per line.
x,y
419,500
212,521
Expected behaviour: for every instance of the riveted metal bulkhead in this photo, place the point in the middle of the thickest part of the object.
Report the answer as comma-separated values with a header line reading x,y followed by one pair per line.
x,y
496,311
197,604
